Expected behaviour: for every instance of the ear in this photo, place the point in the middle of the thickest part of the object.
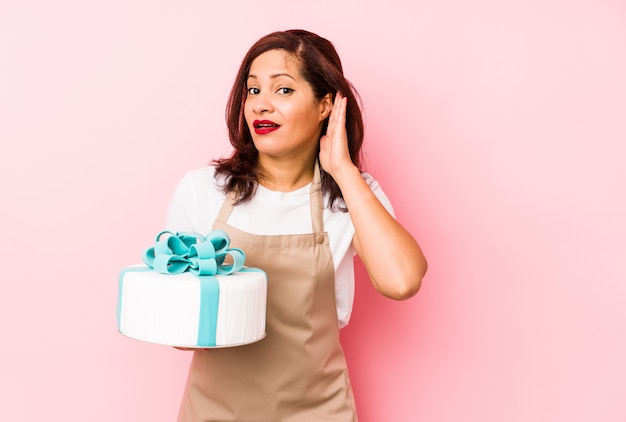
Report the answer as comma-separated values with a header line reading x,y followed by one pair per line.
x,y
326,106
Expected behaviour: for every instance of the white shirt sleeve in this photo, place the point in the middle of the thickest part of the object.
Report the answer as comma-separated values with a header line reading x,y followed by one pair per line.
x,y
195,202
181,210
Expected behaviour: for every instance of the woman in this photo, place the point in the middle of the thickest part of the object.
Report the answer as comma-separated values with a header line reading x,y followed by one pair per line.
x,y
293,197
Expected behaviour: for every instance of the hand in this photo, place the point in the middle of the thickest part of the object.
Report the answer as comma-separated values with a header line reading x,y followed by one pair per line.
x,y
334,152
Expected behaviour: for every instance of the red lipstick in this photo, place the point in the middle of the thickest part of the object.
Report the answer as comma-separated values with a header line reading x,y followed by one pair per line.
x,y
262,127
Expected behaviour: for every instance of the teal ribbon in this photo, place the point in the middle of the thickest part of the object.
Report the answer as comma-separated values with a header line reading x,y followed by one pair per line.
x,y
203,256
187,251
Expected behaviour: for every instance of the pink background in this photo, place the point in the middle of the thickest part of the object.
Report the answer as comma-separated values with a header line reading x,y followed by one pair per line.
x,y
496,128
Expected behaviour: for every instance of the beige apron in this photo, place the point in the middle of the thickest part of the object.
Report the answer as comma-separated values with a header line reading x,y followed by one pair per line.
x,y
298,371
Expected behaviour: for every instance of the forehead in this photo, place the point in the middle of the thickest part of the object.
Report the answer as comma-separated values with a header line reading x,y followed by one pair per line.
x,y
275,62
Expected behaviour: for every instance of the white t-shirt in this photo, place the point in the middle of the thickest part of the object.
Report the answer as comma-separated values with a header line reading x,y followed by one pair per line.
x,y
198,199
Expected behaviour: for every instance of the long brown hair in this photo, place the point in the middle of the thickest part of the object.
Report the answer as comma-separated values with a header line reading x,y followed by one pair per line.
x,y
321,67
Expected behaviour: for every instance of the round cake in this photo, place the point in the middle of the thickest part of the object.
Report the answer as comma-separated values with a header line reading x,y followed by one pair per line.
x,y
186,296
192,311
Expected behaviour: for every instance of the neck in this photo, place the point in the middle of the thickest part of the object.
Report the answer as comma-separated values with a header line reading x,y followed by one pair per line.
x,y
285,176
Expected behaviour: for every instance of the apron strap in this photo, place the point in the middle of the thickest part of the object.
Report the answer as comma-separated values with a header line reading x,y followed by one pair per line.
x,y
227,207
316,201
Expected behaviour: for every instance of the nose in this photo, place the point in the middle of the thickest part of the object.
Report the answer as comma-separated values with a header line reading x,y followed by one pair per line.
x,y
261,103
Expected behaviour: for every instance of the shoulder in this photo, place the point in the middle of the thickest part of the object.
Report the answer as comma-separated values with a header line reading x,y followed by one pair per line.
x,y
202,179
200,175
195,201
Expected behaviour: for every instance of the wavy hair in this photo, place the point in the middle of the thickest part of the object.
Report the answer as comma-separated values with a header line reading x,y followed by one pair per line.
x,y
321,67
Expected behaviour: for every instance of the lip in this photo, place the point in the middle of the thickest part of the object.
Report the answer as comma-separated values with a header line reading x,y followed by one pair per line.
x,y
262,127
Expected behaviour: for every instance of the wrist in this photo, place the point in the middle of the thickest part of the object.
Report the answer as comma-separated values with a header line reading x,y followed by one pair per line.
x,y
344,175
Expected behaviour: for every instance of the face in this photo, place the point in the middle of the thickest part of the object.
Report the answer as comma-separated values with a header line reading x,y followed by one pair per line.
x,y
281,111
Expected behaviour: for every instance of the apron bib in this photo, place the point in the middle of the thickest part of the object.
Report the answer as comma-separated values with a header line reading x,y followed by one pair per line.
x,y
298,371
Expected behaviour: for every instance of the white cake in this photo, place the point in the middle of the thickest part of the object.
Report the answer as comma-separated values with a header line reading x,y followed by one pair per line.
x,y
193,292
167,309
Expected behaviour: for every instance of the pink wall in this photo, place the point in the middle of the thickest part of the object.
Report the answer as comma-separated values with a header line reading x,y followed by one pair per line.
x,y
497,130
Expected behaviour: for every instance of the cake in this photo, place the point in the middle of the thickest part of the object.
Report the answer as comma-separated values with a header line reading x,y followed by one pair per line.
x,y
192,291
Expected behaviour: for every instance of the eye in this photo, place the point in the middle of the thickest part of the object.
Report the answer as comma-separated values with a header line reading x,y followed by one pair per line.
x,y
285,91
253,91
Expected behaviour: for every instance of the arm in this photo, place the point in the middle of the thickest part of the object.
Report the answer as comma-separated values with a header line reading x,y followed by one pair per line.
x,y
392,257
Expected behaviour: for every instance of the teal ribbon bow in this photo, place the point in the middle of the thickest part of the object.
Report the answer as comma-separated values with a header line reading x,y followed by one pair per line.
x,y
188,251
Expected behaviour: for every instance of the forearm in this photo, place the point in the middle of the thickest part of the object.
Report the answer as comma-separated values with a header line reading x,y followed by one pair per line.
x,y
392,257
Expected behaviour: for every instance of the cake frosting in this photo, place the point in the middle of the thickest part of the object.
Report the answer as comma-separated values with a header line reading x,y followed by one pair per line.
x,y
192,291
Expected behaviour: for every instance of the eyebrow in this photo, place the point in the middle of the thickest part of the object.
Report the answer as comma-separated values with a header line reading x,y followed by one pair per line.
x,y
274,76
